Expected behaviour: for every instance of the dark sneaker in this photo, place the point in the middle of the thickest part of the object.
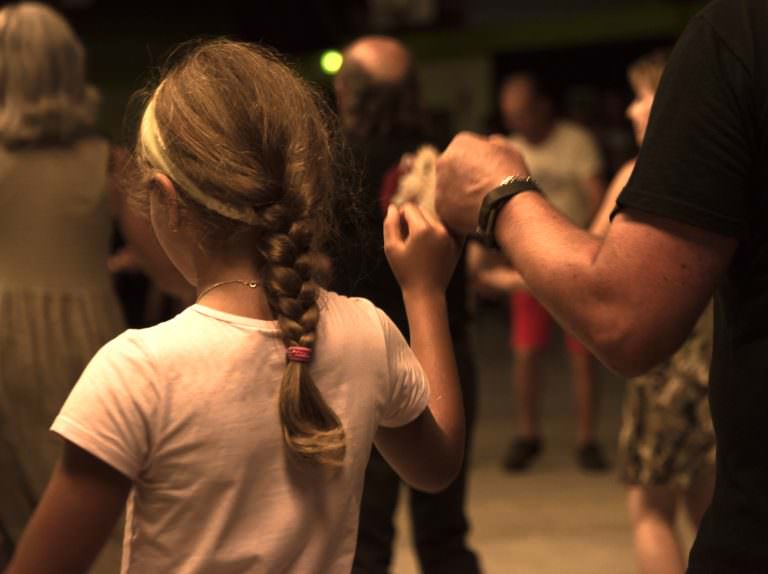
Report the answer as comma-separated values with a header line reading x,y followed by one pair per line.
x,y
522,452
590,457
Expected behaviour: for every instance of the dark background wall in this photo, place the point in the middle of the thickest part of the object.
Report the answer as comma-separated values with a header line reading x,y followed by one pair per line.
x,y
464,47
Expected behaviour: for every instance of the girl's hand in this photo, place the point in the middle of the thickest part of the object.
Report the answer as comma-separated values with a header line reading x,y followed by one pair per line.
x,y
420,250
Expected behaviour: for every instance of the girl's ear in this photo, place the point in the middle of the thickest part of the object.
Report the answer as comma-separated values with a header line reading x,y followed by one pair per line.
x,y
161,185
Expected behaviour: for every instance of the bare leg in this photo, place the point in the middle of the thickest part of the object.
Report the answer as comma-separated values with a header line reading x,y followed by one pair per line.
x,y
525,381
652,513
699,495
584,388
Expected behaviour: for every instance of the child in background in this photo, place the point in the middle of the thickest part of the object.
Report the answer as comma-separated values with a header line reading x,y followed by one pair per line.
x,y
239,430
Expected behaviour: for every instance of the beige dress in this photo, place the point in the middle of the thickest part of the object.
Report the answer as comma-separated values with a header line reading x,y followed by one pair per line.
x,y
57,305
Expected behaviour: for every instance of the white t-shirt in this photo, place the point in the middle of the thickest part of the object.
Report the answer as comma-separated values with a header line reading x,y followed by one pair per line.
x,y
561,164
188,410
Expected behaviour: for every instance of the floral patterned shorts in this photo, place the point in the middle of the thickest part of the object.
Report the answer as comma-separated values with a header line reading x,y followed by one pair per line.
x,y
667,436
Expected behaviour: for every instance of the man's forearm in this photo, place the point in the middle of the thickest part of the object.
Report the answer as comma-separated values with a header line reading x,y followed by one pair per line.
x,y
632,297
610,300
555,258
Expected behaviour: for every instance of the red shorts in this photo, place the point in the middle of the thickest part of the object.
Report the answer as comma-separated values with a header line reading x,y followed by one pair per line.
x,y
531,325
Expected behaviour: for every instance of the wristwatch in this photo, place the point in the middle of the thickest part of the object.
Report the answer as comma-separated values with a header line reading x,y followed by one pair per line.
x,y
508,188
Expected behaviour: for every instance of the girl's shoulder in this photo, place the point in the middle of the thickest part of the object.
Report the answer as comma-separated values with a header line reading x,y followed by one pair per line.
x,y
331,301
157,340
354,314
360,307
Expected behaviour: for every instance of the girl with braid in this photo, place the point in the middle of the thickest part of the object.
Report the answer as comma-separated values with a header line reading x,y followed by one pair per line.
x,y
238,432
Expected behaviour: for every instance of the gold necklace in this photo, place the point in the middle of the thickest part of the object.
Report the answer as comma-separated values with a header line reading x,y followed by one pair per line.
x,y
250,284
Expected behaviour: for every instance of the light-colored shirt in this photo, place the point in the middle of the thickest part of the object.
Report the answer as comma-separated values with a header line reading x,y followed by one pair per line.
x,y
561,164
188,410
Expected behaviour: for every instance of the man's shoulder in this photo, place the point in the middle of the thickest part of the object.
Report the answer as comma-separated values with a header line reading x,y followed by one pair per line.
x,y
738,24
729,11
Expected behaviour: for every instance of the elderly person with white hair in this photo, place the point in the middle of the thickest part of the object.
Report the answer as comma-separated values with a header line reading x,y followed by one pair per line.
x,y
56,298
57,302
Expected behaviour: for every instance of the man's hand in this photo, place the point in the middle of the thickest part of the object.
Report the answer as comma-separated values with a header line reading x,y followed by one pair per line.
x,y
469,168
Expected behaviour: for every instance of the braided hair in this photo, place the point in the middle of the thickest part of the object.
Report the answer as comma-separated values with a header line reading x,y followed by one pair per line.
x,y
247,143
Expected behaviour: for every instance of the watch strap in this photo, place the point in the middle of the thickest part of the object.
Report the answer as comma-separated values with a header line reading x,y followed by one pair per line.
x,y
495,200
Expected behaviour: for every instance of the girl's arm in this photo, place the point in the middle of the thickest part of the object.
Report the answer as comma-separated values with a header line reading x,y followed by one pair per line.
x,y
78,511
428,452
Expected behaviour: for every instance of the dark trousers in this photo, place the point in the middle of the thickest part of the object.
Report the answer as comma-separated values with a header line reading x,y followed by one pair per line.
x,y
439,523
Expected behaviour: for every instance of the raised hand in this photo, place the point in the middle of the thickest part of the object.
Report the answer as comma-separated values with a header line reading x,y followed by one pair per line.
x,y
420,250
469,168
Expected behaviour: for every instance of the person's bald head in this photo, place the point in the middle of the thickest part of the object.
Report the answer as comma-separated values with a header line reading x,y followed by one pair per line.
x,y
386,59
376,88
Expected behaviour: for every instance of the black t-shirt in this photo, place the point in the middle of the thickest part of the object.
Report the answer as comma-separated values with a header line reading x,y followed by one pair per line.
x,y
704,162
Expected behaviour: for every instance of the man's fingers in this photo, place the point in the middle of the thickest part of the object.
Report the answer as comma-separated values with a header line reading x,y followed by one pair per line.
x,y
500,142
498,139
460,142
504,143
468,137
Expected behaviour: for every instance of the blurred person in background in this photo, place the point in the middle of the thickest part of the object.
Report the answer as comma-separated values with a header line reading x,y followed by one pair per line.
x,y
667,443
378,101
57,202
565,159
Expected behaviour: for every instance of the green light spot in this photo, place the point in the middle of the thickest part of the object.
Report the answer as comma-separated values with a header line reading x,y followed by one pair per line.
x,y
331,61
